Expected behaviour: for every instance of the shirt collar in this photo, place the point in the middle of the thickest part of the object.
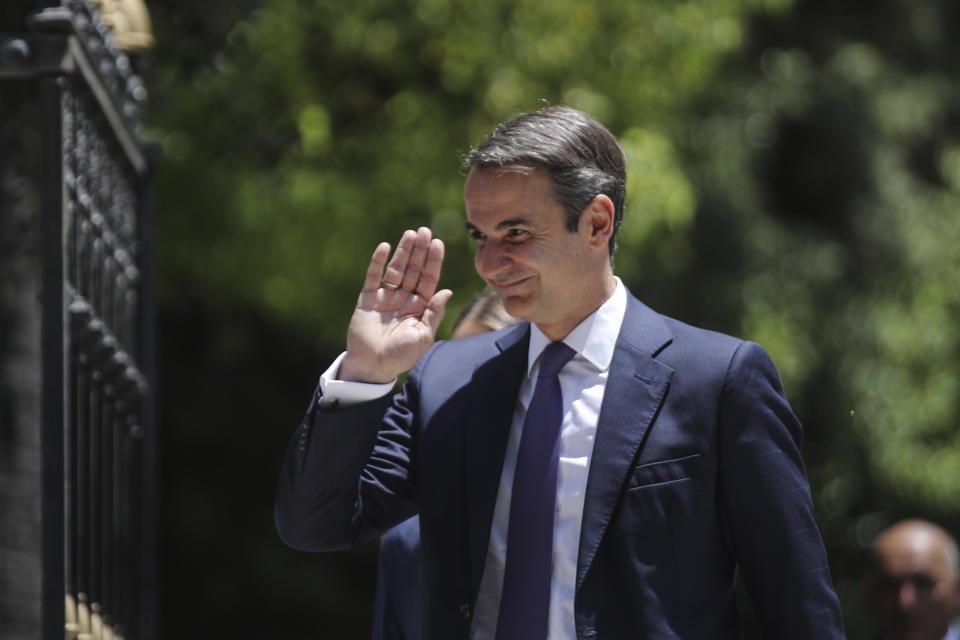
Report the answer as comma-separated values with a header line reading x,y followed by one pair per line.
x,y
593,339
953,633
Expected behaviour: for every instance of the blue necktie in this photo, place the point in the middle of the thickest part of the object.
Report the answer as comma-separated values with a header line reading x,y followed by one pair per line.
x,y
525,601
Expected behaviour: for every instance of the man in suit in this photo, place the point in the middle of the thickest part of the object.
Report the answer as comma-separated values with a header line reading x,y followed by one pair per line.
x,y
916,582
674,458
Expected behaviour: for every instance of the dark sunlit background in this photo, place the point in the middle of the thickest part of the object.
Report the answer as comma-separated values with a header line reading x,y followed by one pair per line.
x,y
794,179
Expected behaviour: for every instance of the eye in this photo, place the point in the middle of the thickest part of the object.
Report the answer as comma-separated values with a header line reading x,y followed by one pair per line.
x,y
924,583
516,235
478,237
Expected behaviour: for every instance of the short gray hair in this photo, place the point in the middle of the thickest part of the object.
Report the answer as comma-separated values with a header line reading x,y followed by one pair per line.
x,y
581,156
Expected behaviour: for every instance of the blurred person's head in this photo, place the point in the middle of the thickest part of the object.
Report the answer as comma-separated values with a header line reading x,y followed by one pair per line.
x,y
485,313
917,580
581,157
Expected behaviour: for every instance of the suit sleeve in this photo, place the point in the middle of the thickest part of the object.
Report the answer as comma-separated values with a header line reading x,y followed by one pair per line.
x,y
347,475
766,506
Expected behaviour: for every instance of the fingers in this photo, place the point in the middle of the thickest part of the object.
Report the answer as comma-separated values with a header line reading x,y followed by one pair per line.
x,y
418,257
415,266
430,277
437,306
397,269
379,258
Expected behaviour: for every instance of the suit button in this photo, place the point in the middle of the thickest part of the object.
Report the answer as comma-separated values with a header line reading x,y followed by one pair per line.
x,y
465,611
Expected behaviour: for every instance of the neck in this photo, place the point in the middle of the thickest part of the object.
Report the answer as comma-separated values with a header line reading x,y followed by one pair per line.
x,y
557,331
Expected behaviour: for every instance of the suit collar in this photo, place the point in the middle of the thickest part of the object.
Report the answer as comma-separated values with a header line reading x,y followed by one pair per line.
x,y
513,335
491,413
644,329
635,391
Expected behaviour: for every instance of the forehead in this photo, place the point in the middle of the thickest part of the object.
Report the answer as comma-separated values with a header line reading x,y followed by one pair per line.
x,y
493,194
913,553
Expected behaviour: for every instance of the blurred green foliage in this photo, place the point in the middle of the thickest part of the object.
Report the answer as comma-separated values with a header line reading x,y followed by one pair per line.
x,y
794,179
321,128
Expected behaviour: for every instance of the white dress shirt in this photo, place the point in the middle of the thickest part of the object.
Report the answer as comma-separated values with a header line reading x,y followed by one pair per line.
x,y
582,381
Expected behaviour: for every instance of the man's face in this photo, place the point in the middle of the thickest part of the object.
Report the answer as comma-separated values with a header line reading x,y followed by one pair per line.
x,y
544,273
917,590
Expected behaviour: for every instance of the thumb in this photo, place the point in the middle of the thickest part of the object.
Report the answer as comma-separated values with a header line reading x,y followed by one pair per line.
x,y
437,306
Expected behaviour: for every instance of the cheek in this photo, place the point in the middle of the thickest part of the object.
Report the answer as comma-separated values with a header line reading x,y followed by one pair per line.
x,y
478,260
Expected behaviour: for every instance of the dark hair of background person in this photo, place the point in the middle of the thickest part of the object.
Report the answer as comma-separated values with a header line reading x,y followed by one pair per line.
x,y
484,313
582,158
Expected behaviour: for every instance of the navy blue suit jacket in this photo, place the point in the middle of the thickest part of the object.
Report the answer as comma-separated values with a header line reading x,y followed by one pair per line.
x,y
696,471
397,604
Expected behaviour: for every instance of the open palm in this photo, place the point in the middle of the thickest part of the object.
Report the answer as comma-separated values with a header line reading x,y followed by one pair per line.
x,y
398,310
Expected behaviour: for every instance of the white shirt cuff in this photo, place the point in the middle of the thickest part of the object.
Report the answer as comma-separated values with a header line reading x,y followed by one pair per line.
x,y
345,392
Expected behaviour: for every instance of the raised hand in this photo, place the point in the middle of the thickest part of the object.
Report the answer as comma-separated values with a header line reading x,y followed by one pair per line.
x,y
398,311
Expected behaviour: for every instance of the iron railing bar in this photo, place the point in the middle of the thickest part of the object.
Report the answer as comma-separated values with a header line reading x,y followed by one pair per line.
x,y
93,523
106,506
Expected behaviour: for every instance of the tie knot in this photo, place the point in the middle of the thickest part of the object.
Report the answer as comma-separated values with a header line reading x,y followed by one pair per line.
x,y
554,356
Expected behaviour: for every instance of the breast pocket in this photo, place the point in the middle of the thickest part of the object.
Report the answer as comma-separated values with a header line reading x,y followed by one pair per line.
x,y
666,489
652,474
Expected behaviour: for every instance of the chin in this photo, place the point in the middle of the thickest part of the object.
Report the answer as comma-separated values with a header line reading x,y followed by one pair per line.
x,y
518,306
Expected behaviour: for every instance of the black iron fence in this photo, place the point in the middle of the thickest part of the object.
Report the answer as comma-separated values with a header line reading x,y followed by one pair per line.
x,y
97,434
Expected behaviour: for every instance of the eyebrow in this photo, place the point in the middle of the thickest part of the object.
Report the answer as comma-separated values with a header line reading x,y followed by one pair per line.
x,y
503,224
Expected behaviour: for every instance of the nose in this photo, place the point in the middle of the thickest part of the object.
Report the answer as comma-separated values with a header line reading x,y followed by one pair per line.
x,y
490,259
907,596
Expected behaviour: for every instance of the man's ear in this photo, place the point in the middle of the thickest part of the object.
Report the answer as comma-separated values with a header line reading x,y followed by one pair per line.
x,y
597,221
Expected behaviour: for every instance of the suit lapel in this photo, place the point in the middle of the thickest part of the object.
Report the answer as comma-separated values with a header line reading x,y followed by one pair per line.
x,y
635,390
494,397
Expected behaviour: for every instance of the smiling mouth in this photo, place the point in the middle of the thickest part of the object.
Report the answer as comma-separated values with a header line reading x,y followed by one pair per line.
x,y
506,286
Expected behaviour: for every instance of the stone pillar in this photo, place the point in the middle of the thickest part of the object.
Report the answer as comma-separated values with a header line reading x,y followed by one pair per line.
x,y
21,362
